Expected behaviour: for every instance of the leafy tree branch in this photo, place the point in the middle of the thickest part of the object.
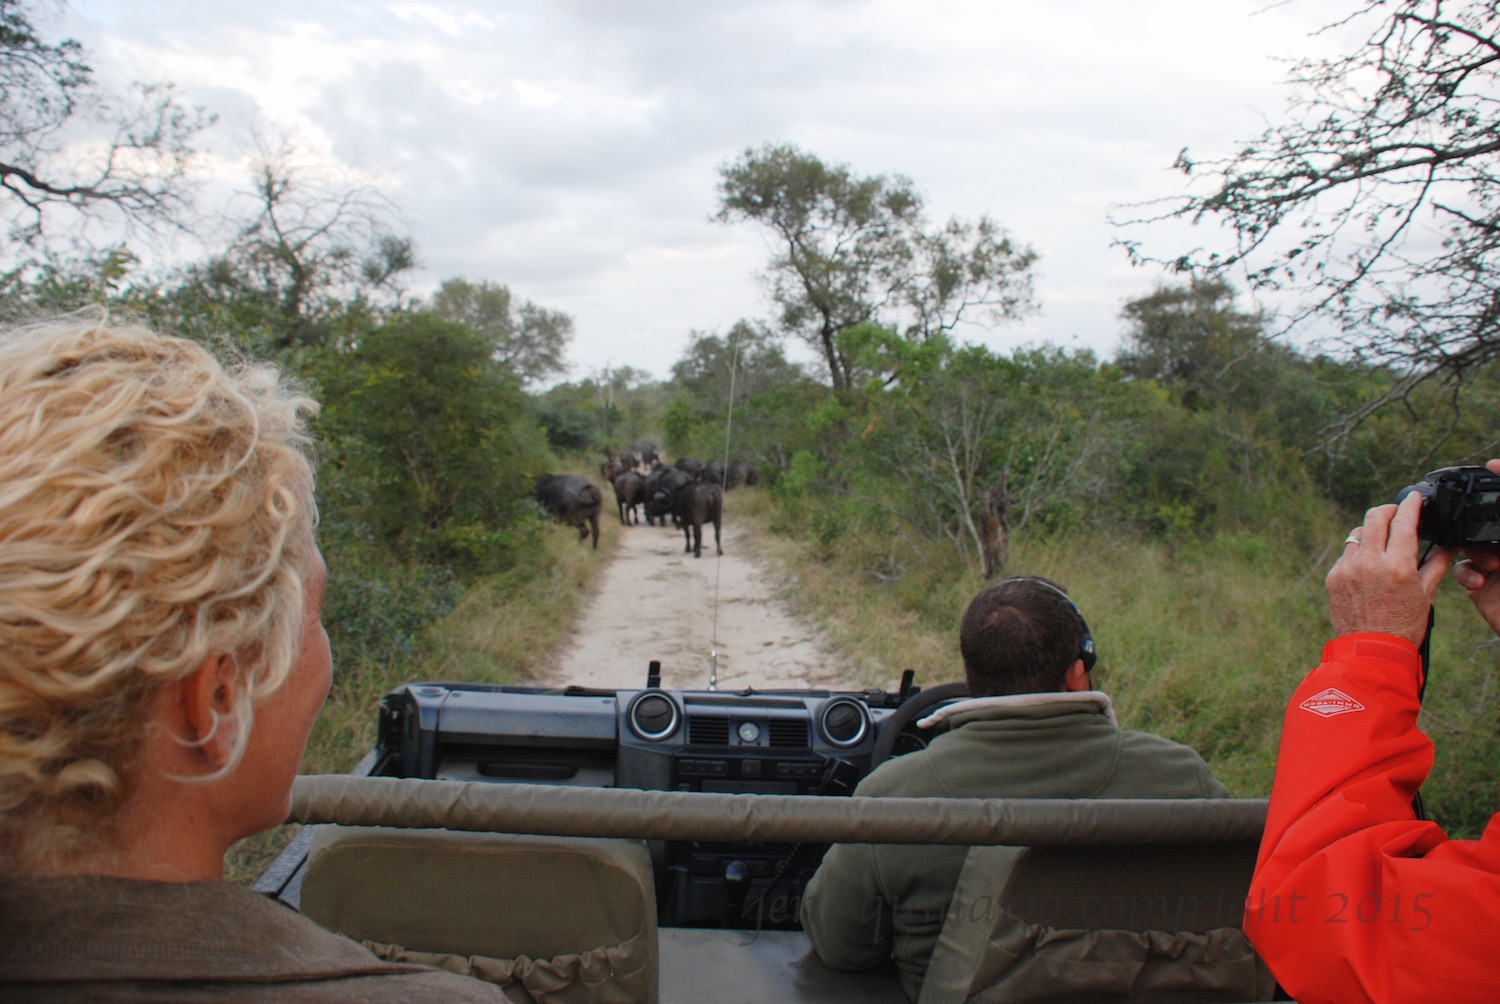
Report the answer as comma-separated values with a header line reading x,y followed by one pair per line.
x,y
1376,207
68,147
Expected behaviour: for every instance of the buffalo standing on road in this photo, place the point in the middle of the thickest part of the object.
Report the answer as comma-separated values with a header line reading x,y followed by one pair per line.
x,y
660,488
694,504
630,492
573,500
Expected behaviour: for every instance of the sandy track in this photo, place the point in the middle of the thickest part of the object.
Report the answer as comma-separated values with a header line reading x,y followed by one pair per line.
x,y
655,602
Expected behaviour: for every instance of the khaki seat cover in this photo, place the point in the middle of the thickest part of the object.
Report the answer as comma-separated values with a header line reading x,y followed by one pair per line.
x,y
1145,923
550,919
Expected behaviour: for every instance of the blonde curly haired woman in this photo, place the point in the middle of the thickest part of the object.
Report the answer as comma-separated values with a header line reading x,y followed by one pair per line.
x,y
161,664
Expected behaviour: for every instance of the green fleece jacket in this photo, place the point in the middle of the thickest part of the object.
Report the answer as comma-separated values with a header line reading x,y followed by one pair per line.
x,y
869,902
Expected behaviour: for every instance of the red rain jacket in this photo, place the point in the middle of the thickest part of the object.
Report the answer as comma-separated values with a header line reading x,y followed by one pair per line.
x,y
1354,899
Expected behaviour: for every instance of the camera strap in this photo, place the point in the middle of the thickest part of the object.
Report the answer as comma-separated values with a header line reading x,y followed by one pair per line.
x,y
1424,650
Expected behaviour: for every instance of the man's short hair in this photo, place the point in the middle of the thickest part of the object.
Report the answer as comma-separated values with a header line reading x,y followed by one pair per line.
x,y
1019,636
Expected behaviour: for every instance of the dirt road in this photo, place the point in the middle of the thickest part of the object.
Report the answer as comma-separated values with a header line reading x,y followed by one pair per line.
x,y
655,602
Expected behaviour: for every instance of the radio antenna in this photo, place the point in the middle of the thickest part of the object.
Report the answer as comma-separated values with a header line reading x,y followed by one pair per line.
x,y
713,652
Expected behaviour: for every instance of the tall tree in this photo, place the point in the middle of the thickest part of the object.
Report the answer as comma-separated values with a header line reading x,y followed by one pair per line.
x,y
615,390
967,272
749,357
1378,204
311,258
528,339
313,246
436,430
1192,339
844,240
67,144
850,249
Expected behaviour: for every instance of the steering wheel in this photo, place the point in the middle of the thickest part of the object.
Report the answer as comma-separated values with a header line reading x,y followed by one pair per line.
x,y
915,707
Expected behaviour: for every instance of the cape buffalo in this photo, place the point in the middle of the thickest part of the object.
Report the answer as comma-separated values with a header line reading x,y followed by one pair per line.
x,y
630,491
695,504
741,473
660,487
574,500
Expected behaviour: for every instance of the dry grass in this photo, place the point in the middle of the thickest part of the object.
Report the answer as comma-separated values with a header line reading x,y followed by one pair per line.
x,y
870,623
506,629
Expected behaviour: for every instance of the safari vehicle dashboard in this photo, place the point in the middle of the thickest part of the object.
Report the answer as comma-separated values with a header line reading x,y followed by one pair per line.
x,y
776,742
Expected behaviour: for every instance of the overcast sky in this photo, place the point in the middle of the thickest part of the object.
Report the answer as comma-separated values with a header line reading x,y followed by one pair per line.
x,y
569,148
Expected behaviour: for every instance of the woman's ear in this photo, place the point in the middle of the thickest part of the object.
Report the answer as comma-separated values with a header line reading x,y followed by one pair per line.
x,y
207,698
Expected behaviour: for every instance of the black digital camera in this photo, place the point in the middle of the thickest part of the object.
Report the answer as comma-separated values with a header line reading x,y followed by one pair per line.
x,y
1460,507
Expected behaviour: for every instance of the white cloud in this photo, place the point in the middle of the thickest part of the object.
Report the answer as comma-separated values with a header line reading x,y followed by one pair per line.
x,y
535,95
451,24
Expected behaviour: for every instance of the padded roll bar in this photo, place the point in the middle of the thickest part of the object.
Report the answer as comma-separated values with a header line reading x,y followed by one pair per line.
x,y
568,811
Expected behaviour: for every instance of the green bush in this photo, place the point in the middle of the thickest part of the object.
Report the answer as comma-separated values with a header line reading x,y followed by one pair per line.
x,y
376,609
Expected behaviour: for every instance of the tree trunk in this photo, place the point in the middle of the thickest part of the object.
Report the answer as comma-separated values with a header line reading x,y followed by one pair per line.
x,y
994,524
829,338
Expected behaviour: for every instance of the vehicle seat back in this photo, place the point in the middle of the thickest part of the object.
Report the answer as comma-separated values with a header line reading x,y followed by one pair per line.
x,y
1153,922
556,919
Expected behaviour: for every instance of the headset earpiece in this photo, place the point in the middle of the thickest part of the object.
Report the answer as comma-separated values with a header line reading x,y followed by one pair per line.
x,y
1086,650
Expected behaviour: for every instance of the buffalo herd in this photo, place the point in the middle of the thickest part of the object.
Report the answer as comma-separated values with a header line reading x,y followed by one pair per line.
x,y
690,493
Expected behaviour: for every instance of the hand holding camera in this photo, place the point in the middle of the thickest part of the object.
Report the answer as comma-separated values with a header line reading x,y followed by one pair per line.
x,y
1376,585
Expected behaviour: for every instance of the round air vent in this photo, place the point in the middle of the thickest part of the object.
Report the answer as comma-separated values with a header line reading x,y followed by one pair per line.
x,y
653,716
844,721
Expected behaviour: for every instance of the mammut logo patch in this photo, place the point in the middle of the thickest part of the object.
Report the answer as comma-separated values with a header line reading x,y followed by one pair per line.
x,y
1331,702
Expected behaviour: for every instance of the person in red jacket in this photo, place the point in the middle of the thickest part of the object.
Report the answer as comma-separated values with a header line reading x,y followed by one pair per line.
x,y
1354,898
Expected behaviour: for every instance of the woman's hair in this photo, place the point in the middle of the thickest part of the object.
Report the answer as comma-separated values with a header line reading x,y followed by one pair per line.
x,y
156,509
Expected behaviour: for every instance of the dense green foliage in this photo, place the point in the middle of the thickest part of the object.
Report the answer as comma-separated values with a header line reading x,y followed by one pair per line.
x,y
528,340
435,429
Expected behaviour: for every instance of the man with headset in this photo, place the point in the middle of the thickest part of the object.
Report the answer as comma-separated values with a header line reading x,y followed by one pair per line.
x,y
1032,727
